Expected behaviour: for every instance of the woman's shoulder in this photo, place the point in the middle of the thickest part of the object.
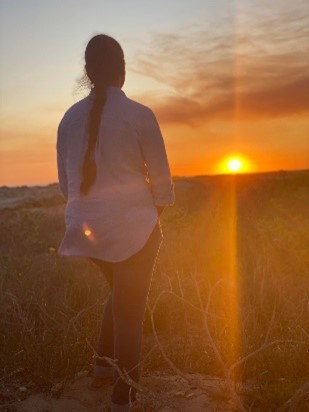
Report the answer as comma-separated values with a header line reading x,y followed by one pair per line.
x,y
75,111
139,110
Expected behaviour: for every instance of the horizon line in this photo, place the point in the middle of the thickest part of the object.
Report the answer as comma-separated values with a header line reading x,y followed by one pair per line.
x,y
178,177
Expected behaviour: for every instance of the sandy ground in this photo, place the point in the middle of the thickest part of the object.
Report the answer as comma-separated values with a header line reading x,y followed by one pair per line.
x,y
167,394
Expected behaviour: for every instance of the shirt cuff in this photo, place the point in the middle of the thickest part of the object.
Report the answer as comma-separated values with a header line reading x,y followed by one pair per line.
x,y
166,199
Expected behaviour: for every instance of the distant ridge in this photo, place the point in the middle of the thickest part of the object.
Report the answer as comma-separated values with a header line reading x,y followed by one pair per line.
x,y
17,197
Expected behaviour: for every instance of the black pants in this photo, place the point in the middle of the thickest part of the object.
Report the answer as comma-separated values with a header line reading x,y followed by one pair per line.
x,y
121,330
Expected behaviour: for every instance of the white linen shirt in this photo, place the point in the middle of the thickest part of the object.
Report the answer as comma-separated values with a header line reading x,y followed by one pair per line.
x,y
115,219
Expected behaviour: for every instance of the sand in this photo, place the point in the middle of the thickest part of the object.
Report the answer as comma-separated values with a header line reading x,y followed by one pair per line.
x,y
167,394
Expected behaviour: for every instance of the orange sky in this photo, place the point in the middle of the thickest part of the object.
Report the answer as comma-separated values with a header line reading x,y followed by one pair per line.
x,y
243,88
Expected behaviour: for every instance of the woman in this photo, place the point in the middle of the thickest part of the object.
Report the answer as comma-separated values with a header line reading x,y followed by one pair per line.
x,y
114,173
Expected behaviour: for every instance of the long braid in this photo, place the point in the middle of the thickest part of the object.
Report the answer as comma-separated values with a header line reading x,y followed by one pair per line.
x,y
89,165
104,64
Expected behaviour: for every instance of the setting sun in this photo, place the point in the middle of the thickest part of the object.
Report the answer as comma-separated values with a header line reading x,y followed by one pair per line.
x,y
234,163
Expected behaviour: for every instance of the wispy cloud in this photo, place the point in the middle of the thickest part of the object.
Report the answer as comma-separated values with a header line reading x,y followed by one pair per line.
x,y
258,70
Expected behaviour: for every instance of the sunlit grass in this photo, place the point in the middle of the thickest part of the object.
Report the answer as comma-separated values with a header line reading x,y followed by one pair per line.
x,y
248,239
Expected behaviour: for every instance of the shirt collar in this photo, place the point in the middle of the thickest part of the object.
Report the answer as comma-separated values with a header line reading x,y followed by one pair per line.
x,y
110,91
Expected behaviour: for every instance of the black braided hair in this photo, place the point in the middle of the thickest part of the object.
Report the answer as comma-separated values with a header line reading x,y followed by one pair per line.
x,y
105,65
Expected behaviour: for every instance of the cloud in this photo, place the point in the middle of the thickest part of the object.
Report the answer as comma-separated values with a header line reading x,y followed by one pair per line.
x,y
256,71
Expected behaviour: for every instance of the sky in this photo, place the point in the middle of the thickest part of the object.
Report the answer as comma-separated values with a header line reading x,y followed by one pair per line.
x,y
224,78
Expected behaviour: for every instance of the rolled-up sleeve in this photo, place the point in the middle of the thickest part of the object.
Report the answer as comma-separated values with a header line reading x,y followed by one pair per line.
x,y
62,175
155,157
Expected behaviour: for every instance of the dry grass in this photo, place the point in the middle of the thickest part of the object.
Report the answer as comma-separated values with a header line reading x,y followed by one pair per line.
x,y
51,307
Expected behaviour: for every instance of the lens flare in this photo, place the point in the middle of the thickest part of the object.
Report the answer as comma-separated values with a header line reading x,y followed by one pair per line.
x,y
88,232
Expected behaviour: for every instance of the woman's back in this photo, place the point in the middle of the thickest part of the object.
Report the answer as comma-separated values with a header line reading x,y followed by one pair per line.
x,y
119,212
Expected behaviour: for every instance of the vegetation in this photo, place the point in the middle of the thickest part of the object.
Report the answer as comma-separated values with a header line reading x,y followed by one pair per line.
x,y
229,295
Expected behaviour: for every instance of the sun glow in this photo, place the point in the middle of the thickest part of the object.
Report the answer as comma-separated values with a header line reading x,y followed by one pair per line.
x,y
234,163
